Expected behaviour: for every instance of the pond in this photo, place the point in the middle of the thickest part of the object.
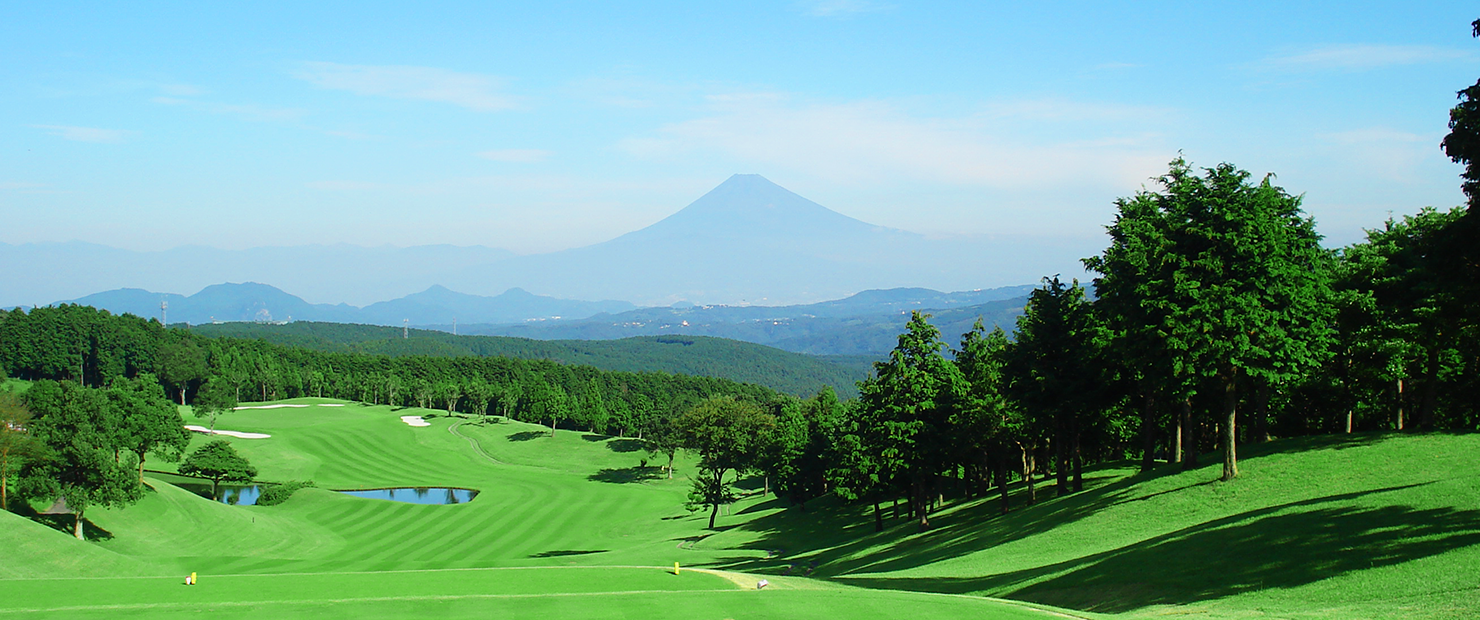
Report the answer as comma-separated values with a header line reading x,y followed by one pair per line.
x,y
246,494
226,493
418,495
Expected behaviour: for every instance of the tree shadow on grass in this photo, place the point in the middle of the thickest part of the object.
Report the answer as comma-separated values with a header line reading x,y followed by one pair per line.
x,y
626,445
64,524
1277,547
626,475
528,435
566,552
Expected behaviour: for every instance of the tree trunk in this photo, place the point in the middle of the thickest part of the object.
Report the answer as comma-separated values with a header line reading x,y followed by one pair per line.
x,y
1078,460
141,467
1400,404
1148,433
1030,462
1348,420
1429,397
1002,481
923,500
1060,457
1261,414
878,517
1189,436
670,466
1230,431
712,514
77,525
182,395
4,499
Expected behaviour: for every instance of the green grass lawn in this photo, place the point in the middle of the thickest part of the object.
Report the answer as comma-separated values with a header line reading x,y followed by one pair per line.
x,y
572,526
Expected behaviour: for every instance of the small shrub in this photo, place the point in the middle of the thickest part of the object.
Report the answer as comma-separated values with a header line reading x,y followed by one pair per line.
x,y
279,493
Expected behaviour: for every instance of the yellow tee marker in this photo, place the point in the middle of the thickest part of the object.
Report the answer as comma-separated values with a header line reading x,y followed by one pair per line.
x,y
675,568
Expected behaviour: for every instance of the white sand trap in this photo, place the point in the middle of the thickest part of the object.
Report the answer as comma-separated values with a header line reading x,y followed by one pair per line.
x,y
331,404
415,420
270,406
237,434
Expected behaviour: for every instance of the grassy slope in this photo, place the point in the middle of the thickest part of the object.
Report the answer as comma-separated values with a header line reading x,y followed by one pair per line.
x,y
32,550
784,371
1369,526
560,504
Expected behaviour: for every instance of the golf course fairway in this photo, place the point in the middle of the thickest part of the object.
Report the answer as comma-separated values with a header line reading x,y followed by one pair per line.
x,y
577,525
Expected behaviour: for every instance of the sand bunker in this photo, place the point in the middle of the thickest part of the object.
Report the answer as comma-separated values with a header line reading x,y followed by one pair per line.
x,y
331,404
237,434
415,420
270,406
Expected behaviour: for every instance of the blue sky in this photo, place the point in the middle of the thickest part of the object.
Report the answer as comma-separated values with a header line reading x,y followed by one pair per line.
x,y
542,126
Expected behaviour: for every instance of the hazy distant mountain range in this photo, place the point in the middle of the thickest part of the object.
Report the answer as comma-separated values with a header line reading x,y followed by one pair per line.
x,y
746,241
863,324
262,303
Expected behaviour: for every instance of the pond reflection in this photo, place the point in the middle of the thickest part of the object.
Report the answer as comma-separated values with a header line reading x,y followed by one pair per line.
x,y
418,495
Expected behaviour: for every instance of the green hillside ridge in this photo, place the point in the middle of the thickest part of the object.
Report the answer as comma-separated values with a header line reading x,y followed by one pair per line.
x,y
780,370
1362,526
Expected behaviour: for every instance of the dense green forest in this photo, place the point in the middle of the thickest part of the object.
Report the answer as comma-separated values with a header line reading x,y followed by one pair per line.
x,y
783,371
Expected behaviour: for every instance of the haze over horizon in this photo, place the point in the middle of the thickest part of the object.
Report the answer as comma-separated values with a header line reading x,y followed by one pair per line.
x,y
536,130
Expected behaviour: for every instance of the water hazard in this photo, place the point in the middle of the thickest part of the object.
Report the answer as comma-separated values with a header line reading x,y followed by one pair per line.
x,y
418,495
246,494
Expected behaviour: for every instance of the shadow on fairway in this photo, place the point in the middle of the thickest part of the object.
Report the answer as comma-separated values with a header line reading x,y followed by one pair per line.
x,y
528,435
626,475
626,445
1306,542
565,552
64,524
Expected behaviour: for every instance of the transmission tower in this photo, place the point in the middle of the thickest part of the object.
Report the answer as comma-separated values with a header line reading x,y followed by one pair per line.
x,y
405,328
164,316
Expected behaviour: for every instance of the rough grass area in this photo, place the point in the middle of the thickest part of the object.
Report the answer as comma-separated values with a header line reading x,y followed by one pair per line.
x,y
1368,526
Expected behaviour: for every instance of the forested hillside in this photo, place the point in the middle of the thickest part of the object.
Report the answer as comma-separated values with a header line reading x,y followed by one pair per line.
x,y
832,328
784,371
94,349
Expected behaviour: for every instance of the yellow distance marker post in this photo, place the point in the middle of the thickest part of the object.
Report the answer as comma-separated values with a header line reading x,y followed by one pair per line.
x,y
675,568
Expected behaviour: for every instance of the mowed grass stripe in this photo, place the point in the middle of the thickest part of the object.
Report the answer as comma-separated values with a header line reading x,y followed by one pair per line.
x,y
354,459
520,521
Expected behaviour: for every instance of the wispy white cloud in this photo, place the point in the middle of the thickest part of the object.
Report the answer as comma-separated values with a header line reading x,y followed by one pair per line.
x,y
1361,57
181,90
86,134
515,155
1383,152
15,185
469,90
1011,145
841,8
247,111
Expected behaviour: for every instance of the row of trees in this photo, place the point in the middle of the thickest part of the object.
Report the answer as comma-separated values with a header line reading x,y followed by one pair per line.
x,y
1216,320
92,347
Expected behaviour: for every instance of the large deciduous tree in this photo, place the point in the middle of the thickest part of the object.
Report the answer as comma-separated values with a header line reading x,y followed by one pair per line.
x,y
214,398
78,425
729,435
148,421
218,462
181,363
